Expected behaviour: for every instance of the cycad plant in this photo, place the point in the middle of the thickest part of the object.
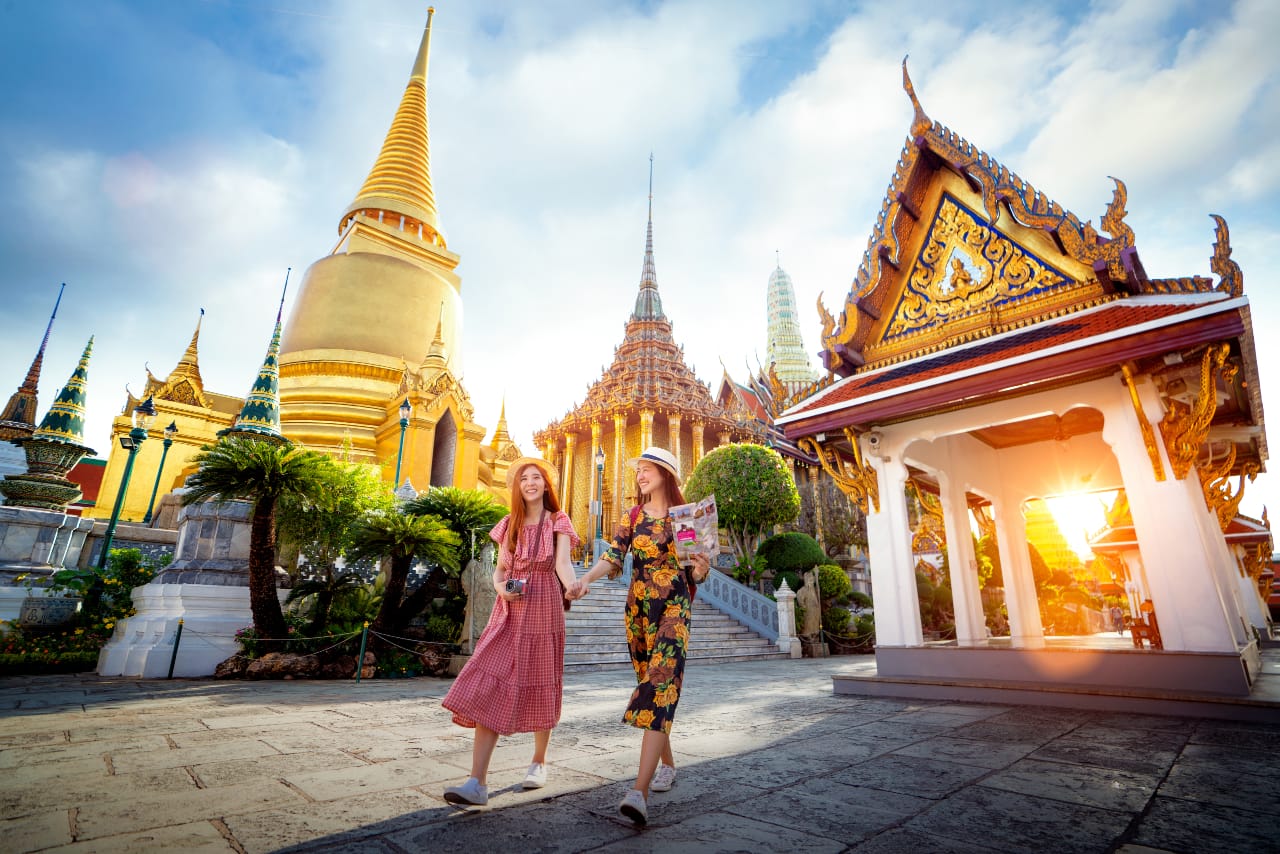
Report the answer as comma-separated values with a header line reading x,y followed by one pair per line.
x,y
260,471
403,539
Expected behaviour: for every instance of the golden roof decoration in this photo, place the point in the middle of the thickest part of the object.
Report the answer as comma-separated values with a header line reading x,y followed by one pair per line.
x,y
978,276
400,181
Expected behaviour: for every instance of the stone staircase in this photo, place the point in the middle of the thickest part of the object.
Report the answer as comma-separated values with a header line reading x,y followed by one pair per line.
x,y
595,637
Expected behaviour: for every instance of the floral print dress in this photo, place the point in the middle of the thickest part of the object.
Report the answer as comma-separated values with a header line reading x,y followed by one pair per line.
x,y
659,603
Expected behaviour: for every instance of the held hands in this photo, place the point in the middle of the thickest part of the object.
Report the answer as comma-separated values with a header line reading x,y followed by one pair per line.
x,y
578,590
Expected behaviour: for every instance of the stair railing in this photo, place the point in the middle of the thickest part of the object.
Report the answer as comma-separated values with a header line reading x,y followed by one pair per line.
x,y
755,610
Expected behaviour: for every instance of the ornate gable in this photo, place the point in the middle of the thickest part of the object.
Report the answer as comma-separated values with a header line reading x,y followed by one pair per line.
x,y
964,248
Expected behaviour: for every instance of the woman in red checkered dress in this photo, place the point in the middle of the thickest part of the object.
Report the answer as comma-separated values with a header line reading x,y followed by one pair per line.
x,y
515,677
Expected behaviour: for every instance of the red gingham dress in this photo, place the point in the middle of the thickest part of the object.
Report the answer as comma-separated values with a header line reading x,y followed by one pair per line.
x,y
515,677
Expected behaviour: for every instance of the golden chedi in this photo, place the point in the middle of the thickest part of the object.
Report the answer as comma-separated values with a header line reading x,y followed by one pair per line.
x,y
379,319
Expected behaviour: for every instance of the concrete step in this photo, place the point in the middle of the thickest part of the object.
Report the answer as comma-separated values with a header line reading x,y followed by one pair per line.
x,y
596,637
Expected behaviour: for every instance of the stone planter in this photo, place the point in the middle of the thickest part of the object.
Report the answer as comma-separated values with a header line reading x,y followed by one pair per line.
x,y
47,612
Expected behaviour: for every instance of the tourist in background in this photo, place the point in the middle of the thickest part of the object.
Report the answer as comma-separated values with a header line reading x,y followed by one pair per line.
x,y
659,602
515,678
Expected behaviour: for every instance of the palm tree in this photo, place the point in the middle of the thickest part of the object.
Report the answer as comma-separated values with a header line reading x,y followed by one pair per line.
x,y
402,539
319,595
262,472
469,513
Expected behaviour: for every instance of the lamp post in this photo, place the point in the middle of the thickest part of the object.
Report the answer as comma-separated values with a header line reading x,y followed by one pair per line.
x,y
169,433
599,492
405,411
143,415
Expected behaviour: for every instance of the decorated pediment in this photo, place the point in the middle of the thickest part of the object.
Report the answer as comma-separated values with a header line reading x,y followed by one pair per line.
x,y
963,248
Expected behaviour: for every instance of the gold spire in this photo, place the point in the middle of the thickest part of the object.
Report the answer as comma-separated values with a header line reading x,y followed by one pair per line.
x,y
437,356
189,364
399,185
500,434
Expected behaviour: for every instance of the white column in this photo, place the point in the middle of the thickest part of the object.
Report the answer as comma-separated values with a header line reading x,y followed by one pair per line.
x,y
1025,628
787,640
1183,582
966,598
893,573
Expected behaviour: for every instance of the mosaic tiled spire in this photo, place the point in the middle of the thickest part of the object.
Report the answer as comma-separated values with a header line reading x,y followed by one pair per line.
x,y
648,302
19,416
785,346
260,415
64,422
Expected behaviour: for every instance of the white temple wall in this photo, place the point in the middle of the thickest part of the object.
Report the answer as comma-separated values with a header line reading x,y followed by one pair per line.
x,y
889,549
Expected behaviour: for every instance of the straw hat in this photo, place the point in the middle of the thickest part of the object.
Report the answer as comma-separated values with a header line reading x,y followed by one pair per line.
x,y
548,473
660,457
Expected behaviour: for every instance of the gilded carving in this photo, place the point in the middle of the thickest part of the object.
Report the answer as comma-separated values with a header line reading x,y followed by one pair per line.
x,y
1184,427
1230,279
1215,482
1148,435
931,530
964,266
855,478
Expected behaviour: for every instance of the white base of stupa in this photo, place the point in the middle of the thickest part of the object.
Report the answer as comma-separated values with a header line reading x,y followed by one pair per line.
x,y
143,644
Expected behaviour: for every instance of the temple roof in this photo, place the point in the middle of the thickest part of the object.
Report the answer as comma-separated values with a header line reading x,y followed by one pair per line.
x,y
400,181
648,369
959,236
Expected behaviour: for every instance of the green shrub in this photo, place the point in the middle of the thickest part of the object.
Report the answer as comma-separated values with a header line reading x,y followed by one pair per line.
x,y
398,665
439,628
833,585
836,620
792,552
754,491
794,581
860,600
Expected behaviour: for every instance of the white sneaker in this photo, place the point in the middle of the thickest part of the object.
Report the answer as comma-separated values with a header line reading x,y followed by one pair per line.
x,y
470,793
663,779
633,807
536,778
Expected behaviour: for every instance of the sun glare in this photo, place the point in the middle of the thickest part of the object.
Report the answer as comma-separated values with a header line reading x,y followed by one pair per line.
x,y
1079,516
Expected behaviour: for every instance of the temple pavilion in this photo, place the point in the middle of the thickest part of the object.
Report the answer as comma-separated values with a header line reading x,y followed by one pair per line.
x,y
648,396
994,349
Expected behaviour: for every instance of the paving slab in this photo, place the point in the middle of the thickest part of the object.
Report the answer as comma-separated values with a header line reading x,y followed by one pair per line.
x,y
769,759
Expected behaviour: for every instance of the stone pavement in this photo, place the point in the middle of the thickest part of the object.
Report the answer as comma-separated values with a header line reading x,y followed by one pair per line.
x,y
769,760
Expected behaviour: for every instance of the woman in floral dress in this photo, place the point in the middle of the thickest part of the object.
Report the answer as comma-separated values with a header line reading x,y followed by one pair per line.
x,y
515,678
659,602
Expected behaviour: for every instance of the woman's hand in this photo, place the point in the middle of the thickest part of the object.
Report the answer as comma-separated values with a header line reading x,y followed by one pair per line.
x,y
507,597
578,590
701,567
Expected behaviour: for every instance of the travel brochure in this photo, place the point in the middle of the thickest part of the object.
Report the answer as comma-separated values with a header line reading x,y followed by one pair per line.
x,y
697,529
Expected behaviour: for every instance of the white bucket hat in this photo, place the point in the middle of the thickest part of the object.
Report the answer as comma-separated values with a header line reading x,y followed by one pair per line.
x,y
659,457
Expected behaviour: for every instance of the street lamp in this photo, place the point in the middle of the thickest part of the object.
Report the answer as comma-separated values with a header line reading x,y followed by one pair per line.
x,y
405,411
143,415
599,492
169,433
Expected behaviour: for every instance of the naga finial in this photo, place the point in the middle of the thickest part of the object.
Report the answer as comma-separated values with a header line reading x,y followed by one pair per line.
x,y
921,122
1230,279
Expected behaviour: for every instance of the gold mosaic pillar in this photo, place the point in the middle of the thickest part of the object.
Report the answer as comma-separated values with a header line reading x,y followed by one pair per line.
x,y
566,479
619,492
814,477
697,442
673,427
646,428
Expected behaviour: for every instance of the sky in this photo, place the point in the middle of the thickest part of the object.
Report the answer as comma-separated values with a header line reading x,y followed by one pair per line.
x,y
163,156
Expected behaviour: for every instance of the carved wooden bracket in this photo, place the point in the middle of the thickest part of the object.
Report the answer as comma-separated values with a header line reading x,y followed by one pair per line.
x,y
1148,435
1185,428
855,478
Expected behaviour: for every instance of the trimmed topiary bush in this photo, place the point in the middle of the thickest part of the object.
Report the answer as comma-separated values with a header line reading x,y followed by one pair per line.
x,y
792,552
754,491
833,585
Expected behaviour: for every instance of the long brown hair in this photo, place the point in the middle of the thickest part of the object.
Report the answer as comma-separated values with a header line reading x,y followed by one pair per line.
x,y
549,501
669,485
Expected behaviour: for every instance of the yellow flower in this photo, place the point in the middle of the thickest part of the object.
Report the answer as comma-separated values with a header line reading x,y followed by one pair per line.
x,y
637,589
663,577
682,633
672,610
666,696
644,718
79,631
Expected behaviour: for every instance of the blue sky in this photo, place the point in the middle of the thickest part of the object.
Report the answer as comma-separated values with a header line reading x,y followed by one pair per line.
x,y
161,156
